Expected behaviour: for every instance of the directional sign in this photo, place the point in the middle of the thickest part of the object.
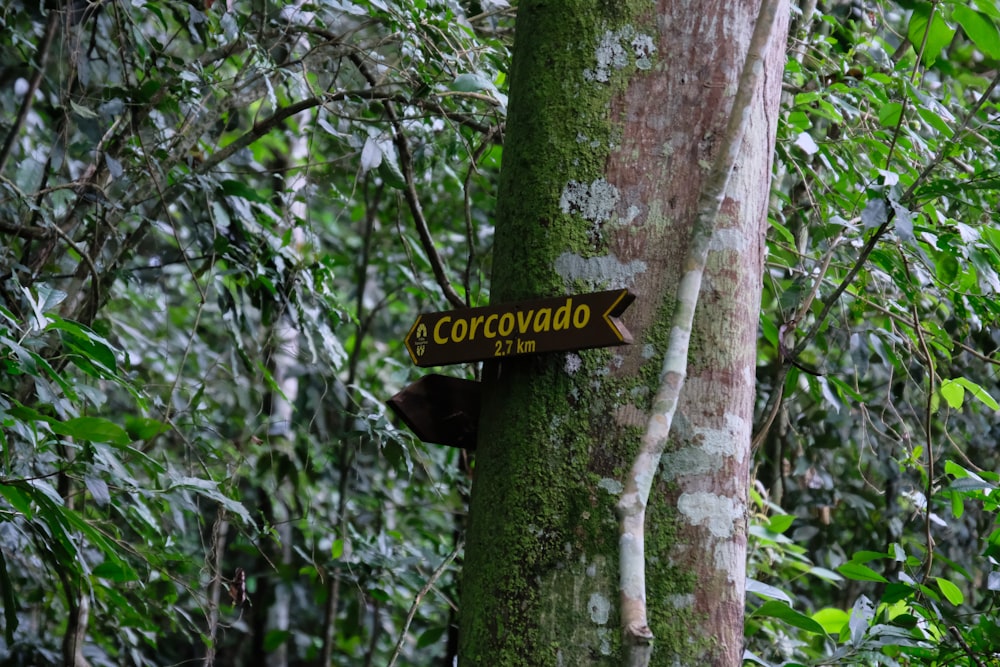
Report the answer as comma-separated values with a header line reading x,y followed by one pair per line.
x,y
573,322
439,409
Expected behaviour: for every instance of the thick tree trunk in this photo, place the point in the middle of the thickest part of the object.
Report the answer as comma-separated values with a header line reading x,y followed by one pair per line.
x,y
615,117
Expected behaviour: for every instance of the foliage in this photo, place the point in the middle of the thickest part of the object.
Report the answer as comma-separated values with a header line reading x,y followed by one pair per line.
x,y
219,221
877,358
216,225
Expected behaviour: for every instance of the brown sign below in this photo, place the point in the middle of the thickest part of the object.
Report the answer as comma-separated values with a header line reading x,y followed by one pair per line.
x,y
441,410
575,322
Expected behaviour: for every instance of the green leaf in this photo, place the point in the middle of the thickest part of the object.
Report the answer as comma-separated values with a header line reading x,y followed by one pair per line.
x,y
430,636
17,498
782,611
980,29
934,120
275,638
950,591
92,429
115,571
981,394
957,505
864,556
953,393
82,340
471,83
780,523
209,489
337,550
240,189
889,114
832,619
939,34
824,574
767,591
781,229
953,468
859,572
144,428
947,269
82,111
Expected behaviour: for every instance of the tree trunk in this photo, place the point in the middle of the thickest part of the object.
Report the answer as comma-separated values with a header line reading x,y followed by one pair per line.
x,y
615,117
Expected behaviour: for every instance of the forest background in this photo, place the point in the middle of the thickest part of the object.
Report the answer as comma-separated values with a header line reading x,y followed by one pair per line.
x,y
220,219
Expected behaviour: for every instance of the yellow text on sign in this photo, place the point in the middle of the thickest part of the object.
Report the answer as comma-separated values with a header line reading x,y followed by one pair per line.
x,y
543,320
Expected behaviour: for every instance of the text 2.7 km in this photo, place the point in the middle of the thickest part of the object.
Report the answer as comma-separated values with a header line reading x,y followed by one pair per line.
x,y
517,346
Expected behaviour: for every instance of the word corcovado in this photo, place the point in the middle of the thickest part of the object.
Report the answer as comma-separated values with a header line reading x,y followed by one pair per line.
x,y
573,322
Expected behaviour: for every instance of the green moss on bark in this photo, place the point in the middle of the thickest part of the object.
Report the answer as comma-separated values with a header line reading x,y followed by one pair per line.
x,y
560,130
542,551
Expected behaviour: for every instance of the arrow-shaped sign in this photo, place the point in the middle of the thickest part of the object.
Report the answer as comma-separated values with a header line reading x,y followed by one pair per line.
x,y
573,322
442,410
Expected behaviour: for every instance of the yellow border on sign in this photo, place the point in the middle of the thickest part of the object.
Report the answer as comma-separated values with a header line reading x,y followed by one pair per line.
x,y
607,314
406,341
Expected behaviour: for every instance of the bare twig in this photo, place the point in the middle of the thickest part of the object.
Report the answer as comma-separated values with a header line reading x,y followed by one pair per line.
x,y
95,276
965,646
41,58
420,596
412,198
913,77
829,302
928,420
469,227
217,548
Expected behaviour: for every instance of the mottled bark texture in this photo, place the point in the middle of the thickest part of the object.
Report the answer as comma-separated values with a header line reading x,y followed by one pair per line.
x,y
615,117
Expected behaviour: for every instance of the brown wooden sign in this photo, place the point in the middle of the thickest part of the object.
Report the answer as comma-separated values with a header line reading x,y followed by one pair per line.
x,y
441,410
575,322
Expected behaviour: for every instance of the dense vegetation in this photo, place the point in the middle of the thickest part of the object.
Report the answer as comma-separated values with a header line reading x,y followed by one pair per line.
x,y
219,221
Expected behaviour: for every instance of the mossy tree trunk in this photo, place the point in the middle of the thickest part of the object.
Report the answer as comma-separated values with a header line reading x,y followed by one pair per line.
x,y
616,113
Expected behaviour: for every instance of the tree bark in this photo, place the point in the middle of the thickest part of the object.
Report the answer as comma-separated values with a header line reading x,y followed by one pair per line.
x,y
615,118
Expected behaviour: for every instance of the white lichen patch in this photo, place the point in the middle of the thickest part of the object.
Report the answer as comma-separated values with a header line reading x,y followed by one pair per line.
x,y
594,201
730,558
632,213
605,270
600,608
681,601
643,47
686,462
717,513
604,635
730,239
612,486
555,430
711,446
573,363
726,441
615,51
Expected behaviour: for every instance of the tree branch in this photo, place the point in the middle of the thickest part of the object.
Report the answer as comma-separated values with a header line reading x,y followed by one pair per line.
x,y
420,596
631,507
828,303
412,198
29,95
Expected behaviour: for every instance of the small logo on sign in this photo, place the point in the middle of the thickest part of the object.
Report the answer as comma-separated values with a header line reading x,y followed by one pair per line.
x,y
420,340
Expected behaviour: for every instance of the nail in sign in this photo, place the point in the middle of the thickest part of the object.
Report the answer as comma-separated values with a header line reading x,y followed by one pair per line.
x,y
574,322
